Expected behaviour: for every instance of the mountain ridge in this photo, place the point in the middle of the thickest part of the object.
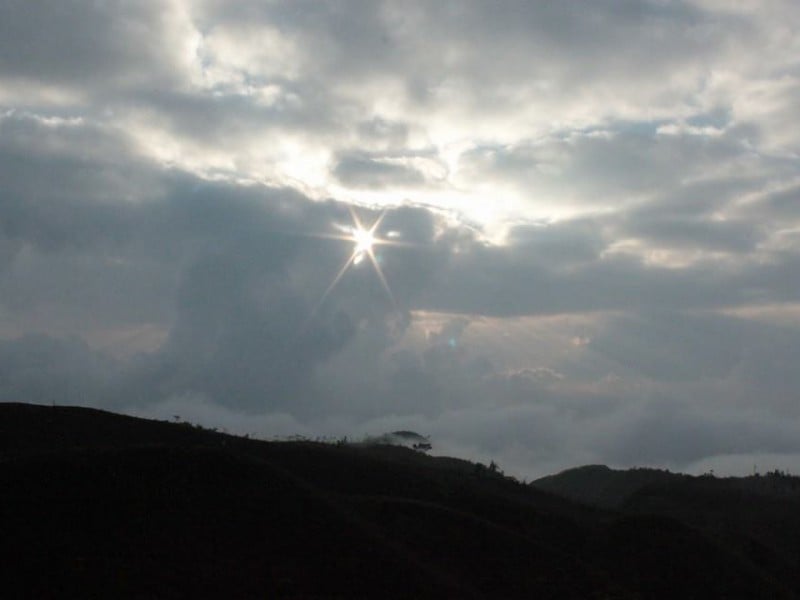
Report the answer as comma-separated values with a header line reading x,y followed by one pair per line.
x,y
95,503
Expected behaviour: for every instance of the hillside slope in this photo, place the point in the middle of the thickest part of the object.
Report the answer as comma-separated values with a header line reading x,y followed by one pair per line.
x,y
94,504
756,517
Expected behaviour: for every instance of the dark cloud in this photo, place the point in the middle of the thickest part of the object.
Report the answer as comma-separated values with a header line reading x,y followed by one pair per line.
x,y
567,243
684,435
675,346
783,205
735,235
43,370
471,282
360,171
99,43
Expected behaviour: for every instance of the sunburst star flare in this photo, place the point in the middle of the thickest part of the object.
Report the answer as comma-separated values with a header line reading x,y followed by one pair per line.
x,y
364,240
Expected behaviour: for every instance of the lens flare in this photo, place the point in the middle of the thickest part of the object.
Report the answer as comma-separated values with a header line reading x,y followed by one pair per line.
x,y
364,240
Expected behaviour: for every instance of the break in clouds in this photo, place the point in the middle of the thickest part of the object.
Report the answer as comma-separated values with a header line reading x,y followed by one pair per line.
x,y
594,210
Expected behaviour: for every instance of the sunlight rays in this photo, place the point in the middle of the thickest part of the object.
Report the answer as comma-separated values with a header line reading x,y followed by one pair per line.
x,y
364,240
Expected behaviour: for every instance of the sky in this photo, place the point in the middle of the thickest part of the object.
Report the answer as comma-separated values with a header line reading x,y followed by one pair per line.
x,y
586,219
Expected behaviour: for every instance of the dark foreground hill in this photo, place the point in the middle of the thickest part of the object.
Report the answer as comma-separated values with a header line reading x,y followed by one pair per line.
x,y
757,517
94,504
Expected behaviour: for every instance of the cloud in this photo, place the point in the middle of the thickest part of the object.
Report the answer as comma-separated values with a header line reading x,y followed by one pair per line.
x,y
358,171
42,370
99,44
592,209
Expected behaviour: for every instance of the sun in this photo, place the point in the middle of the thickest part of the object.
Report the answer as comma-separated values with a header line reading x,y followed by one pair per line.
x,y
364,240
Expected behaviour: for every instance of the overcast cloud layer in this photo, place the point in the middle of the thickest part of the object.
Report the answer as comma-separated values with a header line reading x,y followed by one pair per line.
x,y
595,207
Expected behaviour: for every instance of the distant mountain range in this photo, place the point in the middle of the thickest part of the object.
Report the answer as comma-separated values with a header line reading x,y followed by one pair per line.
x,y
94,504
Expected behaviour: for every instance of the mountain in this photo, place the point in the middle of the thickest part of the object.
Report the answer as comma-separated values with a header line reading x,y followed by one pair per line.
x,y
756,517
94,504
598,485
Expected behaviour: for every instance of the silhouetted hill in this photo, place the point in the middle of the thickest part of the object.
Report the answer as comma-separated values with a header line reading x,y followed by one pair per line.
x,y
94,504
599,485
757,517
